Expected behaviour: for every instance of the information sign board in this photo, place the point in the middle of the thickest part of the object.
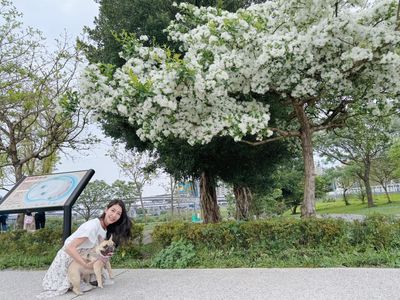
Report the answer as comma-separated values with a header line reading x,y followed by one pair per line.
x,y
45,192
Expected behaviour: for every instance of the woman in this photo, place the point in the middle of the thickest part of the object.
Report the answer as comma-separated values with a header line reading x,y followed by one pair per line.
x,y
114,221
29,224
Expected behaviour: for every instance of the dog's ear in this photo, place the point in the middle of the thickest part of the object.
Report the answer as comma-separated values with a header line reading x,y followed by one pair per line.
x,y
111,238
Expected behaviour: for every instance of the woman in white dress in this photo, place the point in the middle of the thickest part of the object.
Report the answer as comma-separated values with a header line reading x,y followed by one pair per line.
x,y
114,221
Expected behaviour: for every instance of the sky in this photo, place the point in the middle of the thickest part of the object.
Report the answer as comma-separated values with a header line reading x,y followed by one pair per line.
x,y
53,18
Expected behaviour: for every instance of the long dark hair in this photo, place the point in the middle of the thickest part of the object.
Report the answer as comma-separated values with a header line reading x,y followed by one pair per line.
x,y
120,230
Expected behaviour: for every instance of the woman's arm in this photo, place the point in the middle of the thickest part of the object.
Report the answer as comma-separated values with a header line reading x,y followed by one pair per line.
x,y
72,250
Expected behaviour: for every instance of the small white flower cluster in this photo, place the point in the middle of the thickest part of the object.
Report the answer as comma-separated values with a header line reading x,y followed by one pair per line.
x,y
299,50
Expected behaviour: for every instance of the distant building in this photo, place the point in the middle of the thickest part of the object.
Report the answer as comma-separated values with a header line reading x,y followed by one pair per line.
x,y
187,197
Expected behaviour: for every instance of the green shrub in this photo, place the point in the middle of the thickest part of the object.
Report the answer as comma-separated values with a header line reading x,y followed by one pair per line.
x,y
43,244
376,231
276,242
166,233
39,242
29,249
131,248
316,232
137,232
277,234
180,254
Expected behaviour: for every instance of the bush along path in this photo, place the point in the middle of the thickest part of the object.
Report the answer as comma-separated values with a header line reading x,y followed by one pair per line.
x,y
277,242
282,243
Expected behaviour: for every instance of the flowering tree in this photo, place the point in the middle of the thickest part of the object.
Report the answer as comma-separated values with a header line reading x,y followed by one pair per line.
x,y
137,16
318,57
148,17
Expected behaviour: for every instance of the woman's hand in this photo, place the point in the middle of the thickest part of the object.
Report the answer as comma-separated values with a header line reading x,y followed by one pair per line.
x,y
72,250
89,265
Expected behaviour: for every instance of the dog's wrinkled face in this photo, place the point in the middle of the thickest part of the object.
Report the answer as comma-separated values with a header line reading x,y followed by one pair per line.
x,y
106,247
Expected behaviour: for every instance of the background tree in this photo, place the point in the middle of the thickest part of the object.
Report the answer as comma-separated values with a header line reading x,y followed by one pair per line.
x,y
286,188
185,162
249,170
394,156
275,49
125,191
361,190
243,166
38,107
322,186
362,141
269,204
383,172
289,179
137,166
343,177
171,188
93,199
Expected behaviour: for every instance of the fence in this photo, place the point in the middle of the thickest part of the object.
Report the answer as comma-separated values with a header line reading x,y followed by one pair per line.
x,y
376,189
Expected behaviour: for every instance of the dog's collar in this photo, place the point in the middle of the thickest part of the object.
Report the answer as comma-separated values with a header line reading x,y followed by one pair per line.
x,y
103,258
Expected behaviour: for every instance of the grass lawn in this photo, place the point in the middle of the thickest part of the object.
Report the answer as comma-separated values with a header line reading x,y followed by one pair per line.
x,y
359,208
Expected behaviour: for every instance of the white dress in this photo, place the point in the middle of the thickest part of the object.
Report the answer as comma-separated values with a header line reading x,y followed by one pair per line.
x,y
55,281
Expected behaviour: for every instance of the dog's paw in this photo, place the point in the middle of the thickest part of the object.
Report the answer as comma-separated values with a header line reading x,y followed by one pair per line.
x,y
77,292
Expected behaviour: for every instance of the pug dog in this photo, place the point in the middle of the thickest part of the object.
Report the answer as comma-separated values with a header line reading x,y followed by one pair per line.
x,y
101,257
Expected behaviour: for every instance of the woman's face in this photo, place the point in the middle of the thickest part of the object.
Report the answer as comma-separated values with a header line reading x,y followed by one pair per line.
x,y
113,214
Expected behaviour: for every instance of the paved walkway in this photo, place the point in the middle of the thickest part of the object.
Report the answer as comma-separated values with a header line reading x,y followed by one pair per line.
x,y
214,284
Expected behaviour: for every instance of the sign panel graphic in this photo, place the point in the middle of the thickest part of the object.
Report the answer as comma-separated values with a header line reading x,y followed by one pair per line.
x,y
45,191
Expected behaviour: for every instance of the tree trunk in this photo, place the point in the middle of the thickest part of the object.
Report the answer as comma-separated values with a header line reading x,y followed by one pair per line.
x,y
362,192
208,200
244,199
386,193
384,186
308,205
19,223
368,190
369,194
346,202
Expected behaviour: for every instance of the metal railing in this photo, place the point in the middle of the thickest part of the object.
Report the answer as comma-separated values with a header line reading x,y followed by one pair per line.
x,y
376,189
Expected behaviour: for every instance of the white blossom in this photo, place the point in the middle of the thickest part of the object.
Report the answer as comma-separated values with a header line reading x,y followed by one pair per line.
x,y
292,49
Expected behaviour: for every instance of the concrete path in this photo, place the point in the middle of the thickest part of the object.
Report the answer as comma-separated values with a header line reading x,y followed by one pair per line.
x,y
214,284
